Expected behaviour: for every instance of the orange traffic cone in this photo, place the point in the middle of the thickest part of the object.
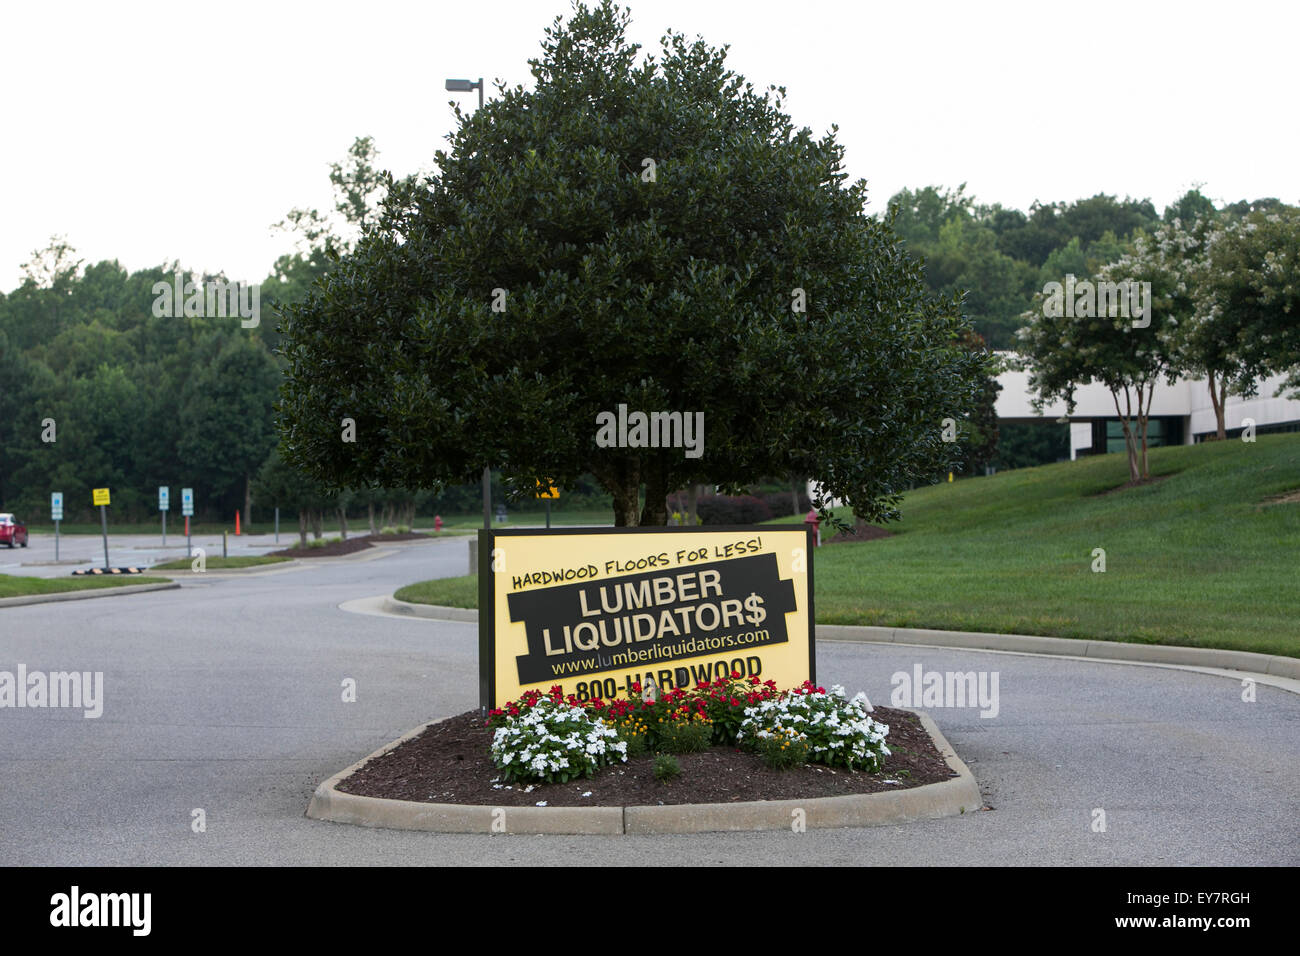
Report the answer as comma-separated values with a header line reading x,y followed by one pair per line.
x,y
236,524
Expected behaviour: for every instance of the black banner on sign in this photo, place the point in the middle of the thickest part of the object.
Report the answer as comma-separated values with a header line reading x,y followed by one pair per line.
x,y
658,616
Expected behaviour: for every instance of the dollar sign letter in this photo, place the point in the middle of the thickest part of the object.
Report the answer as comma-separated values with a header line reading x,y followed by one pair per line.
x,y
754,605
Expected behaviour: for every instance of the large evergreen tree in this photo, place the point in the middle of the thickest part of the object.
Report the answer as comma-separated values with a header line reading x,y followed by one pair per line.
x,y
652,234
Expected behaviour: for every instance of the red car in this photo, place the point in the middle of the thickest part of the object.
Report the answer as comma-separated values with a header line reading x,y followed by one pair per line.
x,y
12,531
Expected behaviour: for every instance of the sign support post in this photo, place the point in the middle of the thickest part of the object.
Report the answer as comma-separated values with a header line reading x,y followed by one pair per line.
x,y
56,514
164,505
187,509
550,492
101,499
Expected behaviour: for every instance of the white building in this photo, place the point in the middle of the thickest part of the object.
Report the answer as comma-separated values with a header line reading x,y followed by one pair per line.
x,y
1181,414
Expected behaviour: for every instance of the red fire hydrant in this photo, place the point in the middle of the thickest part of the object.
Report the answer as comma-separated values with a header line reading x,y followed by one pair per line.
x,y
437,522
812,519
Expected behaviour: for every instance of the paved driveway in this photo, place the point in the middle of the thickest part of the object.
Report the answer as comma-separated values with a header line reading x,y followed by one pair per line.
x,y
226,695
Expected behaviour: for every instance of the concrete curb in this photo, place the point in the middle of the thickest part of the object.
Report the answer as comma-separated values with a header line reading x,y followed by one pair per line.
x,y
1273,665
943,799
254,569
433,612
85,593
1250,661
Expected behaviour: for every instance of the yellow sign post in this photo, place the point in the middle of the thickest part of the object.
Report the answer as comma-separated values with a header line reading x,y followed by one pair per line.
x,y
597,610
551,493
100,497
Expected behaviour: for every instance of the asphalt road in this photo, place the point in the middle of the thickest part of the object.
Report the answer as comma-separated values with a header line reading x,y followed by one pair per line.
x,y
226,696
141,550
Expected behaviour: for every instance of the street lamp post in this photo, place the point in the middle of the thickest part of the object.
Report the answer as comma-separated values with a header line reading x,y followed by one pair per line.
x,y
465,86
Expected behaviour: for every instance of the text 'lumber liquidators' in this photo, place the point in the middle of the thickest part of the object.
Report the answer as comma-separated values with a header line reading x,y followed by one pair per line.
x,y
597,611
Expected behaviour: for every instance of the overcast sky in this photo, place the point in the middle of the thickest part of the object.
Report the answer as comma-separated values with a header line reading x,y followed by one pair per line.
x,y
149,132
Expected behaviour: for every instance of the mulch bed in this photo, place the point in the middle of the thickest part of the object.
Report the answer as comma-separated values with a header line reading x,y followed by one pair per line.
x,y
328,551
861,532
449,763
352,544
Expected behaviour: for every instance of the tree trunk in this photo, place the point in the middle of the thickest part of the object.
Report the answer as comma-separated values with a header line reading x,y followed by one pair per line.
x,y
1217,398
623,482
410,515
302,528
317,523
1142,426
693,513
370,513
343,523
655,512
1223,401
248,503
1130,443
627,505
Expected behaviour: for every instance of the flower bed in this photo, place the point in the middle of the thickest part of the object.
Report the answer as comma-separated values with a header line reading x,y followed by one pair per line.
x,y
547,738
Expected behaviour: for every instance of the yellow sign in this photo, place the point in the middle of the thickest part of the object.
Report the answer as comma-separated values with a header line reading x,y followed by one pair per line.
x,y
597,610
552,493
101,495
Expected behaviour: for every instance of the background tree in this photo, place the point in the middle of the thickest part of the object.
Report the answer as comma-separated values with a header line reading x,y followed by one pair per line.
x,y
664,292
280,485
978,433
1173,259
1250,295
226,429
1062,352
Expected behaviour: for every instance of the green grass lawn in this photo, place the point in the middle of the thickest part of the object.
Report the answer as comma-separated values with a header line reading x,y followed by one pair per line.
x,y
448,592
212,564
16,585
1196,559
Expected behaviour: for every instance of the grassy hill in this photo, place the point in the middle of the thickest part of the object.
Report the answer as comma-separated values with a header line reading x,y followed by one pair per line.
x,y
1198,558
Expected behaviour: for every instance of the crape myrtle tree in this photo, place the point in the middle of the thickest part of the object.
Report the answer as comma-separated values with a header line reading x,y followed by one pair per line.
x,y
653,234
1063,351
1173,258
1249,294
